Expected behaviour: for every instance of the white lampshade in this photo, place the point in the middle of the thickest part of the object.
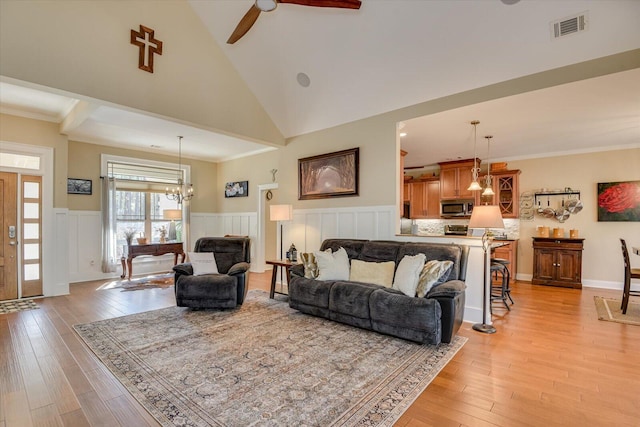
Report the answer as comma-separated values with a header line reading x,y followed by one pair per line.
x,y
486,216
474,186
172,214
281,212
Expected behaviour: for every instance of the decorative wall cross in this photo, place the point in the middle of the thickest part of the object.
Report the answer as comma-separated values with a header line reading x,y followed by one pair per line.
x,y
148,45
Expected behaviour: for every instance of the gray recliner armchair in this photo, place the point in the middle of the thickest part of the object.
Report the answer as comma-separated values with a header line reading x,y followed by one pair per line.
x,y
224,290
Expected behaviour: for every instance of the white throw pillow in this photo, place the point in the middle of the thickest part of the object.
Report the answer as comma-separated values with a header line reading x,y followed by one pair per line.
x,y
332,266
203,263
434,272
408,274
378,273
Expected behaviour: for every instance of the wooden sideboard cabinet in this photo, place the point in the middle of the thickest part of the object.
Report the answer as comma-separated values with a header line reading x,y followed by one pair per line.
x,y
557,262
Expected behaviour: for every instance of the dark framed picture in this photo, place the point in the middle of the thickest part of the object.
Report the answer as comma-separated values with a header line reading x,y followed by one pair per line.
x,y
78,186
619,201
236,189
329,175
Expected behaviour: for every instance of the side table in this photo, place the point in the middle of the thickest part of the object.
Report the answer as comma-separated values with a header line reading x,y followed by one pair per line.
x,y
282,263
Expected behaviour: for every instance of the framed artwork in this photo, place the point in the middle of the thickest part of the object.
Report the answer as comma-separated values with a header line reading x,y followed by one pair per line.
x,y
78,186
619,201
236,189
328,175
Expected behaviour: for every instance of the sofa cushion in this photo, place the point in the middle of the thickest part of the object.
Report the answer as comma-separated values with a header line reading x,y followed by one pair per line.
x,y
408,274
378,273
332,266
203,263
352,246
415,319
432,274
349,303
310,292
379,251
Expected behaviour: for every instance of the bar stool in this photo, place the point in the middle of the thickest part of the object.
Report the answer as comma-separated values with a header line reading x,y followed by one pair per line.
x,y
499,292
506,263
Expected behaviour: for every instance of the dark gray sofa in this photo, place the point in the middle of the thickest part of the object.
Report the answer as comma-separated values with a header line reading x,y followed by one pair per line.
x,y
433,319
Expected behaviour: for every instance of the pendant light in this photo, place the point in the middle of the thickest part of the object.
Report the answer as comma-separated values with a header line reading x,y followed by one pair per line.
x,y
488,191
475,186
183,191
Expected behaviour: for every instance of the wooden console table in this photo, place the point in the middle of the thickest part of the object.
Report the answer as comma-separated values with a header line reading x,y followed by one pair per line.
x,y
153,249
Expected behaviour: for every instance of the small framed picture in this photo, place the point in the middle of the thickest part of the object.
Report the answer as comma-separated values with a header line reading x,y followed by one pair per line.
x,y
78,186
236,189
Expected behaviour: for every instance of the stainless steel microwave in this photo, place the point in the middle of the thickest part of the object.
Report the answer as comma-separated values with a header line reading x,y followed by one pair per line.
x,y
456,208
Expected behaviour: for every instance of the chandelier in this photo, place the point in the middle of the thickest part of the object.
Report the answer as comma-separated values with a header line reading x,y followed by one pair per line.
x,y
475,185
183,191
488,190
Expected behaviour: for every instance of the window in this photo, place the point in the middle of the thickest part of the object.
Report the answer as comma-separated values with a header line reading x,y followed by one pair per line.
x,y
142,212
137,203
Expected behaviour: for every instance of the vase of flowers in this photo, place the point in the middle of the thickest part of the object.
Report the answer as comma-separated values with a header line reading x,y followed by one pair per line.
x,y
128,236
163,234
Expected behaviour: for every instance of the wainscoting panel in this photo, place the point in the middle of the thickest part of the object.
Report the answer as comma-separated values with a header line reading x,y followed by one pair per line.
x,y
235,223
312,226
85,247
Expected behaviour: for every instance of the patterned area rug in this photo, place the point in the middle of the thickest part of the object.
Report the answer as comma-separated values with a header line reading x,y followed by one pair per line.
x,y
13,306
609,309
164,280
263,364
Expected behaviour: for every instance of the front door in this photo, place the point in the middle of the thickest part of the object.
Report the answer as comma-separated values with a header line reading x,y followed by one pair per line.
x,y
8,236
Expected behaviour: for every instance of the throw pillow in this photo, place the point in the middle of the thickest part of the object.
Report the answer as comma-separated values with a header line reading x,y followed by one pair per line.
x,y
408,274
203,263
378,273
310,264
332,266
433,273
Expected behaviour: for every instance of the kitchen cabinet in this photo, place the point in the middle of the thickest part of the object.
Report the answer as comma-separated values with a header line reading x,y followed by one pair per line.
x,y
406,192
425,199
455,178
508,251
557,262
505,185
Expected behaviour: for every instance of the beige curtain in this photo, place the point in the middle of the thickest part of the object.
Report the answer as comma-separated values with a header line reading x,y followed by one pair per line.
x,y
109,237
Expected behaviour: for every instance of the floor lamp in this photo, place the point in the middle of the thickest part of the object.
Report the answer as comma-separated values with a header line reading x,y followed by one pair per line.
x,y
173,215
281,213
486,217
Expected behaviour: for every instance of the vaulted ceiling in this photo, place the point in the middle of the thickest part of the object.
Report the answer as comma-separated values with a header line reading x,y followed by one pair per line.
x,y
390,54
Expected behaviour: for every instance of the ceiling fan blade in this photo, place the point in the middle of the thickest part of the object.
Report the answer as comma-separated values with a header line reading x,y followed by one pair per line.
x,y
245,24
345,4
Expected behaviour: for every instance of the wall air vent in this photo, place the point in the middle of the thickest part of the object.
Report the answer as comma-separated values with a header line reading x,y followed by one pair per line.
x,y
570,25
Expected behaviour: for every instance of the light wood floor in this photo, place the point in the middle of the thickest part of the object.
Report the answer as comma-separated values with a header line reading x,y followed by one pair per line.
x,y
552,363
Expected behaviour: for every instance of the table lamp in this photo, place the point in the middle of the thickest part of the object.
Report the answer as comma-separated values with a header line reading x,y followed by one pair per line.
x,y
486,216
173,215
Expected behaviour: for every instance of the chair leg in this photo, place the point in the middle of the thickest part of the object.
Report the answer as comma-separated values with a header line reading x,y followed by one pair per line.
x,y
625,294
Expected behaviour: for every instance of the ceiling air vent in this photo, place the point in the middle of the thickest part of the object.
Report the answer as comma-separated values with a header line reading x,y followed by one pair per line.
x,y
570,25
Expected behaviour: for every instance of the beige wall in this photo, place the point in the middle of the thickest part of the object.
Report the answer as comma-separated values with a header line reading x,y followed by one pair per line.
x,y
46,134
84,162
602,259
83,47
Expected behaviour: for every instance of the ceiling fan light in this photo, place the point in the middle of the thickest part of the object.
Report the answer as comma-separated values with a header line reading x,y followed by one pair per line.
x,y
475,186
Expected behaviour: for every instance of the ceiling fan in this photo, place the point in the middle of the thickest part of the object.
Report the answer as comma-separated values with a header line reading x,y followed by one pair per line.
x,y
251,16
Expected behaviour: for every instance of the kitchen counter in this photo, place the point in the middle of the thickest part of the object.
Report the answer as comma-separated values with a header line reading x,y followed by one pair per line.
x,y
454,236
